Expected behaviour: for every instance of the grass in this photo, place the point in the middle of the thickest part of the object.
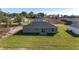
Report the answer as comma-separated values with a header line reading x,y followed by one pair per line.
x,y
60,41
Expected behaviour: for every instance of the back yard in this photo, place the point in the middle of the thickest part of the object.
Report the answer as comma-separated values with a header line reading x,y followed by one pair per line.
x,y
61,40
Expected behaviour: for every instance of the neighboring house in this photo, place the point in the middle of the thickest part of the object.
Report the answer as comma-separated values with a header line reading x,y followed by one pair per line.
x,y
54,16
40,26
69,21
74,28
51,16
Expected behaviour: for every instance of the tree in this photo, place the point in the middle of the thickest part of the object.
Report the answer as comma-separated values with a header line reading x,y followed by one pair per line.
x,y
1,16
13,14
57,16
40,15
31,15
7,20
18,19
23,14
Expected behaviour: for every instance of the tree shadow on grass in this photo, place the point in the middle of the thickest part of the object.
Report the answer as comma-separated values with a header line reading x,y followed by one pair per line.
x,y
33,34
71,33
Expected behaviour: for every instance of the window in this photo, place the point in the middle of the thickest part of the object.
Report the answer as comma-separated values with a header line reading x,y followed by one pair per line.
x,y
52,29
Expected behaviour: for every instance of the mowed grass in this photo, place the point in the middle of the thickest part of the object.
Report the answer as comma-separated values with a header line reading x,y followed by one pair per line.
x,y
59,41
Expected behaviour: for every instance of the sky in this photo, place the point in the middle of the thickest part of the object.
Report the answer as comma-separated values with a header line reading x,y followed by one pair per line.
x,y
63,11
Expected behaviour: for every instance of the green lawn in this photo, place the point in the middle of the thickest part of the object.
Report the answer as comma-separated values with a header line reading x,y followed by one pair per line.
x,y
61,40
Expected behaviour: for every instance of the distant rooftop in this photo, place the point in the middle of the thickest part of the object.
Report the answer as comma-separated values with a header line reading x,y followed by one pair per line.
x,y
39,20
71,19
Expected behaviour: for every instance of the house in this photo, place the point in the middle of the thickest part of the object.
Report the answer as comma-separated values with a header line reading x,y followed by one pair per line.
x,y
40,26
69,21
51,16
74,28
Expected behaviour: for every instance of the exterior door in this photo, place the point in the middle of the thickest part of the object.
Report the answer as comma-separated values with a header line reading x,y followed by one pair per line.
x,y
43,31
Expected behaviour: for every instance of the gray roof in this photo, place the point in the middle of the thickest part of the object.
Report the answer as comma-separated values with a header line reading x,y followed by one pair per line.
x,y
71,19
38,20
40,24
75,25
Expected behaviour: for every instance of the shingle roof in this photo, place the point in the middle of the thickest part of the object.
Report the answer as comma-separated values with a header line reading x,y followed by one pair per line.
x,y
40,24
71,19
75,25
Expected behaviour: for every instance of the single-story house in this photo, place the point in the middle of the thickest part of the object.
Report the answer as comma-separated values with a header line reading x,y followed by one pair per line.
x,y
40,27
51,16
69,21
74,27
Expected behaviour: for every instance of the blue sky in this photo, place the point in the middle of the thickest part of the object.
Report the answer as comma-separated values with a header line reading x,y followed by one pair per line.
x,y
67,11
